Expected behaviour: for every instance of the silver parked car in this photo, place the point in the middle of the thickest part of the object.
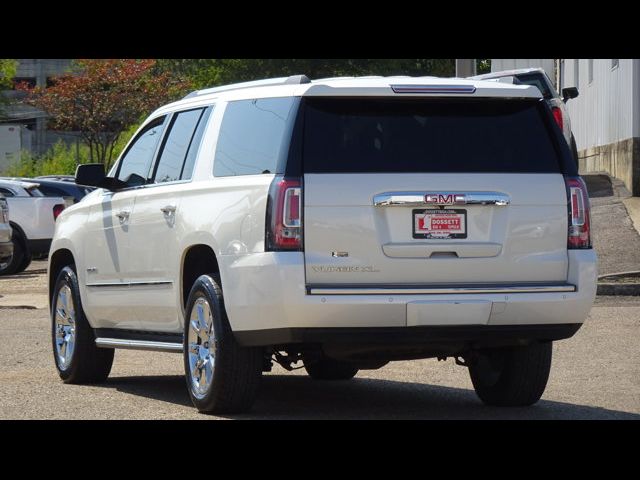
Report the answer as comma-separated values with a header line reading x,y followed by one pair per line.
x,y
537,77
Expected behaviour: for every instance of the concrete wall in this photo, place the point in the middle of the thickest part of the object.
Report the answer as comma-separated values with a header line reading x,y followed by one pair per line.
x,y
605,118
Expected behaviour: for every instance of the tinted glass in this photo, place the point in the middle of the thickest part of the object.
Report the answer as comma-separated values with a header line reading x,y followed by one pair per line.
x,y
52,191
359,136
254,136
187,169
536,80
138,158
176,145
6,193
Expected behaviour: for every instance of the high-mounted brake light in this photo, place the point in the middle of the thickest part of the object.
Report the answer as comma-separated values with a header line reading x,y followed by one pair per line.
x,y
57,210
433,88
284,215
557,115
579,235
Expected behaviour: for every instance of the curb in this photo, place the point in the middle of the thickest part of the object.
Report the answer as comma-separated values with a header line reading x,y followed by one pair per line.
x,y
630,289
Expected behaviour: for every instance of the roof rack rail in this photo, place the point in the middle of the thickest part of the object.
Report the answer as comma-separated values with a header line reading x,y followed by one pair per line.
x,y
291,80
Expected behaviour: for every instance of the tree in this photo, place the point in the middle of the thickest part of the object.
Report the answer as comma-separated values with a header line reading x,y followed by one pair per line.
x,y
103,98
7,72
211,72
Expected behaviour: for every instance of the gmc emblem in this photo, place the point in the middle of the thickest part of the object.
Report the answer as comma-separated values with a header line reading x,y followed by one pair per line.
x,y
444,198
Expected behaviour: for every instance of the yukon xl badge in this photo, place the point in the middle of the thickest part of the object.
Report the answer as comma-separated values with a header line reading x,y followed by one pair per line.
x,y
346,269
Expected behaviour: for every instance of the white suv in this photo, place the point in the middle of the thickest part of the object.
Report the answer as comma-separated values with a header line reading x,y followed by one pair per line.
x,y
344,223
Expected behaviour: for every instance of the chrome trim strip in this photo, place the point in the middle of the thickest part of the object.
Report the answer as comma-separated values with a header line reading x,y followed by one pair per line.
x,y
138,345
130,284
417,199
438,290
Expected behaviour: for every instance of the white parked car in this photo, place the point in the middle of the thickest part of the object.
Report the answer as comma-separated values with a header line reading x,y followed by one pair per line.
x,y
344,223
32,218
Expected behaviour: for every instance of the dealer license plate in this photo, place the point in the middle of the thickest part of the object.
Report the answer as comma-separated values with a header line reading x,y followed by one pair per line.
x,y
436,223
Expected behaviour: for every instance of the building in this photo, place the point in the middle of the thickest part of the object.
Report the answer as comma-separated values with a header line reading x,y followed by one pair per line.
x,y
29,123
605,118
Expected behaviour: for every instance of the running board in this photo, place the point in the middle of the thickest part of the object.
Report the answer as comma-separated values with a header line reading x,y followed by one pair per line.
x,y
139,345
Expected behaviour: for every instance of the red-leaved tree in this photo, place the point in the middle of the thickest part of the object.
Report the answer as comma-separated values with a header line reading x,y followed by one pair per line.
x,y
104,98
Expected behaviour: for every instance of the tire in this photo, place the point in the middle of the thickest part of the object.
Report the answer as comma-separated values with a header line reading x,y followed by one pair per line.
x,y
574,151
326,368
221,376
26,261
76,356
512,377
20,256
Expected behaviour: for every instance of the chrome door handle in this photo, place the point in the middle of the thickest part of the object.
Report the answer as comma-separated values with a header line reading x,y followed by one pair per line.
x,y
123,215
169,209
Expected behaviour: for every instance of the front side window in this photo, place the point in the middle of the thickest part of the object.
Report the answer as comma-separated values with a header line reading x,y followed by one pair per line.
x,y
254,136
135,163
179,145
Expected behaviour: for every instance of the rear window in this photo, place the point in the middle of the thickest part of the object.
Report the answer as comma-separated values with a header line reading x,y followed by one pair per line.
x,y
48,191
436,135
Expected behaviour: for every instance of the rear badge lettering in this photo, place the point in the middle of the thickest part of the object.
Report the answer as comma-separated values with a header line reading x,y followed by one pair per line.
x,y
346,269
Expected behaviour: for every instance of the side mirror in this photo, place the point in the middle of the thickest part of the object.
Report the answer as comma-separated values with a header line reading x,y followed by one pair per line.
x,y
569,93
92,175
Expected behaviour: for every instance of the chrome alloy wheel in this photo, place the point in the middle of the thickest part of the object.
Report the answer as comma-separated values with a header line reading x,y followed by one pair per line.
x,y
200,343
65,327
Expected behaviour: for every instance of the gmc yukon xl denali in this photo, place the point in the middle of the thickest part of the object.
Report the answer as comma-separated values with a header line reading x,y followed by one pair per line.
x,y
342,223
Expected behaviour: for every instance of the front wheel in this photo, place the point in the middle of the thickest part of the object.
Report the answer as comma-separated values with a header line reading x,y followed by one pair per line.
x,y
512,377
222,376
77,358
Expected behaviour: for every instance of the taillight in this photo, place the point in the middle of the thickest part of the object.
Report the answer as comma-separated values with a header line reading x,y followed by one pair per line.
x,y
284,215
57,210
579,214
557,114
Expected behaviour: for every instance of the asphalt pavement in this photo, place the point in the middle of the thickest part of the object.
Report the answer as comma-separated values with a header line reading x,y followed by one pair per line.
x,y
595,375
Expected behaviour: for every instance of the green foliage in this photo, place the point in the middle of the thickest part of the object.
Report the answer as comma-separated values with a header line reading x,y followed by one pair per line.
x,y
483,65
58,160
7,72
211,72
62,159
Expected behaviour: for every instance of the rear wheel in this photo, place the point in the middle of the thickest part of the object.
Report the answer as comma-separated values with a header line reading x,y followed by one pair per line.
x,y
325,368
222,376
77,358
512,377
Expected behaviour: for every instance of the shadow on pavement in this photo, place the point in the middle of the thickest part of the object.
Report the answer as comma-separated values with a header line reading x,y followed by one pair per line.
x,y
598,185
299,397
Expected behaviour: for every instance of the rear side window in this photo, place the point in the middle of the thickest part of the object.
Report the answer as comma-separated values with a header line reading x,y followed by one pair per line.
x,y
177,146
6,192
437,135
254,136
